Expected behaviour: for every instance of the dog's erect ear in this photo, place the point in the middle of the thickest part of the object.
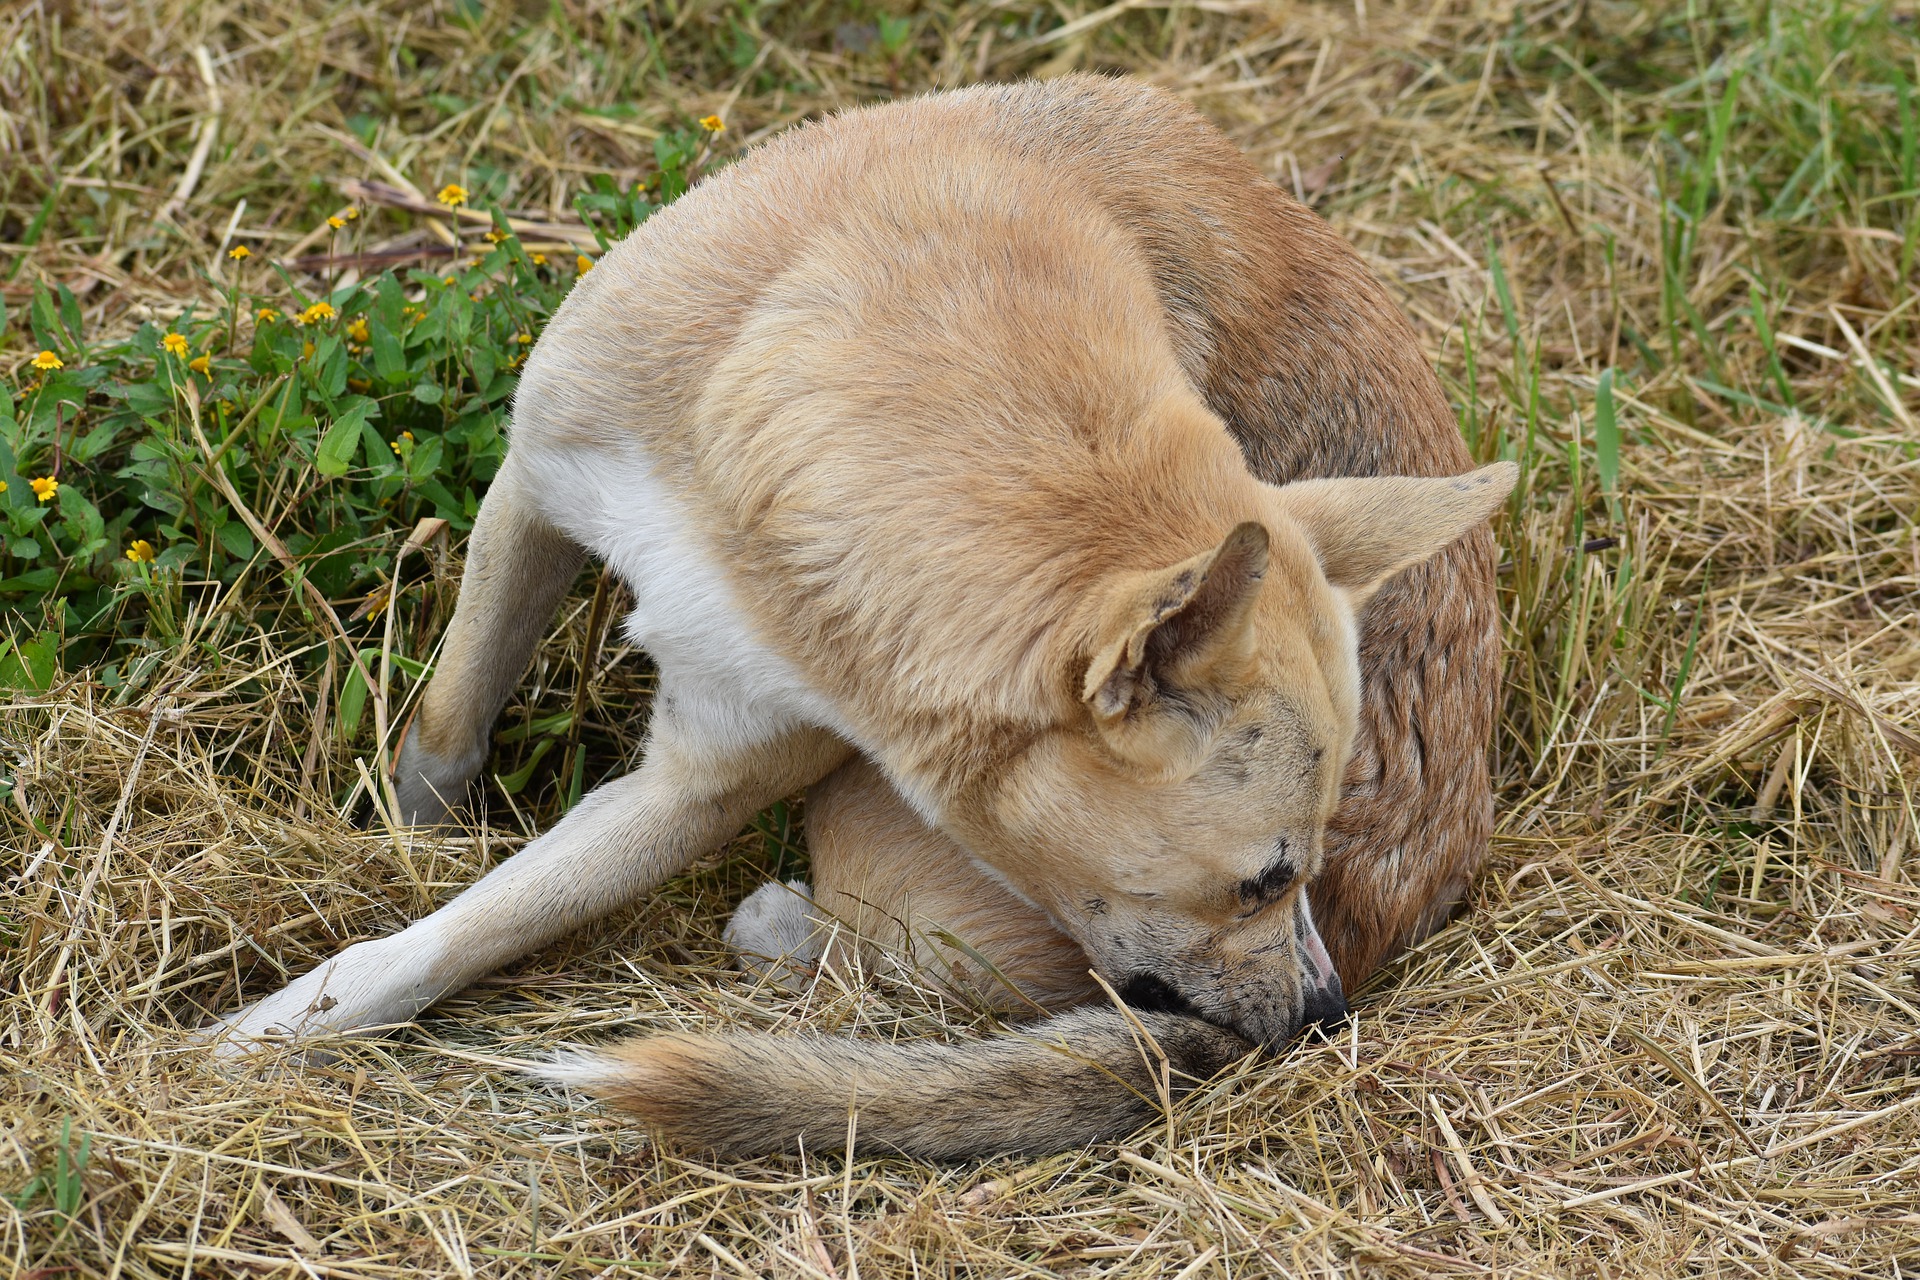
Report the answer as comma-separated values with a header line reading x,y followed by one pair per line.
x,y
1173,631
1365,530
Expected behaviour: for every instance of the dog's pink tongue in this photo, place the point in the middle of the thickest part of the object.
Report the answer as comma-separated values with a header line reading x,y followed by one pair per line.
x,y
1316,950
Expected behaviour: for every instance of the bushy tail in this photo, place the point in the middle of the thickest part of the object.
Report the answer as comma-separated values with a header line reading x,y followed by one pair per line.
x,y
1082,1076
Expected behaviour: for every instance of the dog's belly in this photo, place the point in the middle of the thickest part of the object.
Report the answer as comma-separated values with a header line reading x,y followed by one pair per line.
x,y
716,673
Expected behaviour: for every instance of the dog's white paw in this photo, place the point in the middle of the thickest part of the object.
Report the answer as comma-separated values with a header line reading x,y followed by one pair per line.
x,y
774,933
368,986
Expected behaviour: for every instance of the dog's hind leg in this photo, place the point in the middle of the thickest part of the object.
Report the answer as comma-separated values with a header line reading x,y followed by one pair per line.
x,y
692,791
906,894
518,568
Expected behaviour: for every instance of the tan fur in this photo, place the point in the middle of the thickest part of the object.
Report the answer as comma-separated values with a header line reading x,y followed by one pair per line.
x,y
957,398
904,893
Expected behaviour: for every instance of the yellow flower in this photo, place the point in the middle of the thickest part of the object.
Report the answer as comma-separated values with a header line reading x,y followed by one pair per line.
x,y
523,338
453,195
404,435
336,222
266,315
713,124
201,364
316,313
176,344
48,360
353,211
306,349
358,330
539,259
3,486
140,551
44,487
583,262
239,253
496,236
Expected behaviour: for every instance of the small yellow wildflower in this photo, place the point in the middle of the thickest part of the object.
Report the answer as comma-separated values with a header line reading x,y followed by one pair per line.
x,y
48,360
453,195
140,551
316,313
3,486
713,124
539,259
265,315
448,280
404,435
175,343
496,236
583,262
358,330
523,338
353,211
239,253
201,364
44,487
336,222
306,350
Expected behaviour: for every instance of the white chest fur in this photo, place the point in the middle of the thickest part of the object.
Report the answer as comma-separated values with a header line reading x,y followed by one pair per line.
x,y
722,679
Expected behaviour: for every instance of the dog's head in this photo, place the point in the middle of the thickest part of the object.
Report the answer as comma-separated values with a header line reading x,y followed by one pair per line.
x,y
1174,826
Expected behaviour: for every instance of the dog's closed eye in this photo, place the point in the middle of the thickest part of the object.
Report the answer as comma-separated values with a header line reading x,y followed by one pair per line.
x,y
1272,881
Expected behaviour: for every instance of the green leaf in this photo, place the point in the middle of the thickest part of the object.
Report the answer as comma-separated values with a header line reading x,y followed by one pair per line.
x,y
427,455
70,314
513,783
342,440
482,362
30,665
235,537
428,392
331,360
353,698
1606,436
389,357
46,330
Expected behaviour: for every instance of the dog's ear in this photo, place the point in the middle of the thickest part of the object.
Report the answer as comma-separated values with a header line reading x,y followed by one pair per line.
x,y
1365,530
1165,637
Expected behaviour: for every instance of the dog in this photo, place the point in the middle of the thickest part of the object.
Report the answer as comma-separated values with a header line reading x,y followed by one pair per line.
x,y
1075,508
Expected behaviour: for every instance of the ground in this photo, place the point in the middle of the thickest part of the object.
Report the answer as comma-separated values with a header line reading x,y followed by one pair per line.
x,y
1662,255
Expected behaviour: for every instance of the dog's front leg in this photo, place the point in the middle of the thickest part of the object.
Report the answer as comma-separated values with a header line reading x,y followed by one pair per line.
x,y
616,845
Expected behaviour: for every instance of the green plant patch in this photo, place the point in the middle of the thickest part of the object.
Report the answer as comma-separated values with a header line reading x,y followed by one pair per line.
x,y
292,432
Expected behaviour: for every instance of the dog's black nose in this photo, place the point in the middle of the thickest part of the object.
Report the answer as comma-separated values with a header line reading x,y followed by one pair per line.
x,y
1326,1008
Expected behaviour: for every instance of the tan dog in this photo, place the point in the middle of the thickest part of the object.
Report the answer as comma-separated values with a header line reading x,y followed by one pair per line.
x,y
914,434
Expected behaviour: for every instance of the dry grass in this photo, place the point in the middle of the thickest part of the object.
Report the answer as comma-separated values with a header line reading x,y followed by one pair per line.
x,y
1674,1034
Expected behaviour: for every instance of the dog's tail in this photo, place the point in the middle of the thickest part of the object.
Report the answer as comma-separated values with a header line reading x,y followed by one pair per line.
x,y
1083,1076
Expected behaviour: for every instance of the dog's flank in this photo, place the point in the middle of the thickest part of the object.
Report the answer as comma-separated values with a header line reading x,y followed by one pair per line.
x,y
1083,1076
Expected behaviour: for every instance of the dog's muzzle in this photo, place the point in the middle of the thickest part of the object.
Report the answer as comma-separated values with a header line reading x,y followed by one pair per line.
x,y
1259,1012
